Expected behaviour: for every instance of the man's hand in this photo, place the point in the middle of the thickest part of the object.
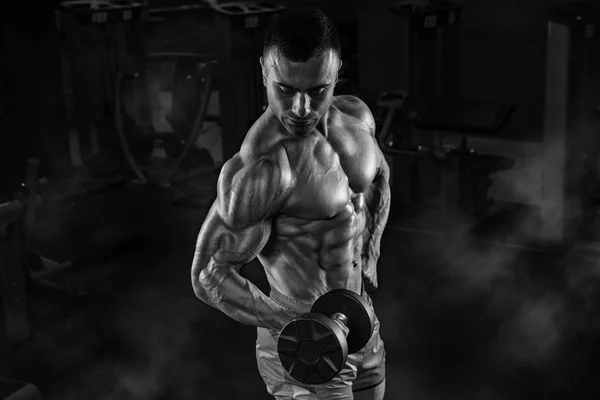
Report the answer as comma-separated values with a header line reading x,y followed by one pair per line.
x,y
369,280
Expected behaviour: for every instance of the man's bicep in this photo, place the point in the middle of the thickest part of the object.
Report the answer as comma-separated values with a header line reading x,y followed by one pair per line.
x,y
226,244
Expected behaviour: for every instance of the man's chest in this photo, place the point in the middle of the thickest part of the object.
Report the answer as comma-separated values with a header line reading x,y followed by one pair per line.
x,y
330,172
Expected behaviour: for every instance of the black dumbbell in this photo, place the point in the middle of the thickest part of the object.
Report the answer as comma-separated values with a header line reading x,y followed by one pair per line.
x,y
313,348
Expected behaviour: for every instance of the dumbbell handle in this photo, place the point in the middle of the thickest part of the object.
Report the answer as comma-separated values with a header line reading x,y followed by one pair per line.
x,y
342,321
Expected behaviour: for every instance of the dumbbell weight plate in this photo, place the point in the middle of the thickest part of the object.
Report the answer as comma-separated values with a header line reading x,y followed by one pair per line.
x,y
312,348
360,315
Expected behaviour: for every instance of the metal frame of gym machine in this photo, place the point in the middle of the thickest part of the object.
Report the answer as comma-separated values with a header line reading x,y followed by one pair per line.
x,y
238,76
571,128
433,35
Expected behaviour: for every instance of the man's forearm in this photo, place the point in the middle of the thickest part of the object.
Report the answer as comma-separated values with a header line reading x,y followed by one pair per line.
x,y
223,288
379,209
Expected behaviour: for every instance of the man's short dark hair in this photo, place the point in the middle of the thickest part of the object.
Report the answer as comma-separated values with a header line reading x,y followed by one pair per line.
x,y
302,34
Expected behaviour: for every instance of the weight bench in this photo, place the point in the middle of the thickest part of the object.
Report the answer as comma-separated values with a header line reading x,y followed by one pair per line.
x,y
464,115
465,174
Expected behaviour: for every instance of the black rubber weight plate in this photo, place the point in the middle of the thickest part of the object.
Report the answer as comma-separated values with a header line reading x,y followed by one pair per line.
x,y
312,349
360,315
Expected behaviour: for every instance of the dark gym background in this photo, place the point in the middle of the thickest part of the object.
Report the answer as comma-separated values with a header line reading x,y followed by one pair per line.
x,y
461,318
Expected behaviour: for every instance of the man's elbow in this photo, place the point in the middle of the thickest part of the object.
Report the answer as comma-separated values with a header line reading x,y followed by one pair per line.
x,y
199,290
198,265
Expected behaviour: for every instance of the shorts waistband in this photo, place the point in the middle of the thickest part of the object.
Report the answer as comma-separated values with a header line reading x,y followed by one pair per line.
x,y
296,306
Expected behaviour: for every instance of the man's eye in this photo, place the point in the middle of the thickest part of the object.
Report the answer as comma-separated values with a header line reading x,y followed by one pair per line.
x,y
317,92
285,90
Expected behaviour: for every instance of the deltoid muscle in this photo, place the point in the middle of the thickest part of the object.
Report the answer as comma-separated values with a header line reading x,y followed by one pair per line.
x,y
248,192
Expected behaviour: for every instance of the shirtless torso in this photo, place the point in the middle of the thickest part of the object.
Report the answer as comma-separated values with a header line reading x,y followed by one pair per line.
x,y
304,205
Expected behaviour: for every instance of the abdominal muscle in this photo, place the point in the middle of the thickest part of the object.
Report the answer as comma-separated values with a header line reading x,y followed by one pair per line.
x,y
305,259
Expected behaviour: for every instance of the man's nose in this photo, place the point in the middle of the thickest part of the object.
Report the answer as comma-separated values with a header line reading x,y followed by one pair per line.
x,y
301,106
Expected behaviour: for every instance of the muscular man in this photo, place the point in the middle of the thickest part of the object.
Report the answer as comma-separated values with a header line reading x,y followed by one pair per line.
x,y
308,194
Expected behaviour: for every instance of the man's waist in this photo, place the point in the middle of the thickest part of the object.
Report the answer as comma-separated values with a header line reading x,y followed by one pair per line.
x,y
298,306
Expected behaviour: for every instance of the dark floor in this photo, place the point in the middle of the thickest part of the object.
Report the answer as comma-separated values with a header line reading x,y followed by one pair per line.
x,y
460,319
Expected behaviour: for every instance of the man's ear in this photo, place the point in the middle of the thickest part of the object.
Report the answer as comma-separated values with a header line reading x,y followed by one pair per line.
x,y
338,71
263,69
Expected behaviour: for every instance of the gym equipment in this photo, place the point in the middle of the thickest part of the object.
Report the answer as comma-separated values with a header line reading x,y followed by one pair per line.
x,y
16,390
118,26
464,175
433,108
100,37
388,105
570,148
242,98
241,95
313,348
395,130
570,166
165,174
465,115
433,69
20,259
433,47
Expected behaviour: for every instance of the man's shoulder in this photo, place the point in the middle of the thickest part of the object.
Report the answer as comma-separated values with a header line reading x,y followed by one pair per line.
x,y
252,166
356,111
352,106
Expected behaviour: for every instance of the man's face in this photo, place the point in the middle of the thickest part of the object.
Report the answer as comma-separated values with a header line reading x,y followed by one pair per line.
x,y
300,93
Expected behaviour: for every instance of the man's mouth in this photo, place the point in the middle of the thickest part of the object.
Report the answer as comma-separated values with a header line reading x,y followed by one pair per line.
x,y
299,122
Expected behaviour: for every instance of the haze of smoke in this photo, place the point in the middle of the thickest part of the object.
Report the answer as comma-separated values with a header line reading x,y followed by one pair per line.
x,y
532,317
